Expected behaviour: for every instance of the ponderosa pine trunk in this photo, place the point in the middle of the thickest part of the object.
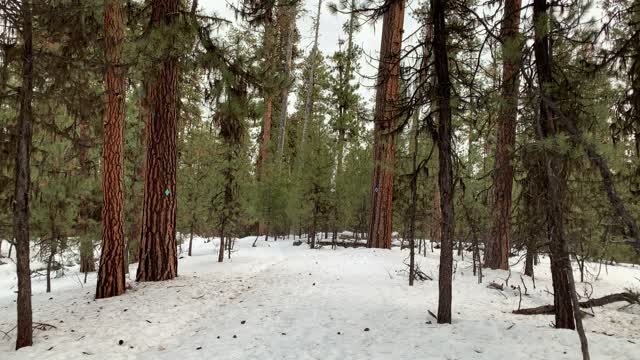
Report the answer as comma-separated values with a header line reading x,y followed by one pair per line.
x,y
445,158
384,136
21,214
268,42
111,274
157,255
498,244
288,14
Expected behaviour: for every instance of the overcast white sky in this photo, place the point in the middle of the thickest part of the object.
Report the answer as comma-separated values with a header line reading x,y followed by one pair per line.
x,y
330,32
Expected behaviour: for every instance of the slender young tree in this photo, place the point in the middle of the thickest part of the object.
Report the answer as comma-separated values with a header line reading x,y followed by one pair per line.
x,y
445,158
111,274
158,259
497,251
385,116
21,212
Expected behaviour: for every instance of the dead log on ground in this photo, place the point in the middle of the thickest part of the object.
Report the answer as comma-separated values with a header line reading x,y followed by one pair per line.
x,y
629,297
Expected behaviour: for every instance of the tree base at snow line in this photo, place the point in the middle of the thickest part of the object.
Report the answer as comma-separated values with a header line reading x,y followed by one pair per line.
x,y
629,297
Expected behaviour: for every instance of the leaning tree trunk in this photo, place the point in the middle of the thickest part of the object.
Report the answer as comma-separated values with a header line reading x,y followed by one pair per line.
x,y
565,299
497,251
111,277
386,113
23,182
551,181
158,258
445,159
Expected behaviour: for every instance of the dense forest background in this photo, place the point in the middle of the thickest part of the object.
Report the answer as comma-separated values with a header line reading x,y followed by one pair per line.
x,y
524,118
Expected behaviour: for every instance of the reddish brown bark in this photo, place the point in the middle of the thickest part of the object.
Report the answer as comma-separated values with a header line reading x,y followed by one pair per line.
x,y
445,159
111,277
497,251
386,113
157,254
21,212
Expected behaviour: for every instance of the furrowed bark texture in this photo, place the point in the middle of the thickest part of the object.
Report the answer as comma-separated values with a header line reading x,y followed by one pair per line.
x,y
111,277
158,258
497,252
386,113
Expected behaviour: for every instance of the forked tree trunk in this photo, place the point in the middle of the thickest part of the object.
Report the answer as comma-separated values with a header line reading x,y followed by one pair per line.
x,y
384,141
22,186
158,258
498,245
111,277
445,157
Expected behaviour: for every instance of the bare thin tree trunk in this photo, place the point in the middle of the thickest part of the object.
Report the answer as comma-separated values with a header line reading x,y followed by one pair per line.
x,y
190,239
111,274
445,157
385,116
53,248
22,184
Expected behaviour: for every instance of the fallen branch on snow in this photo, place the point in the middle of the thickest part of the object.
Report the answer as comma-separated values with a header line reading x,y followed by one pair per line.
x,y
629,297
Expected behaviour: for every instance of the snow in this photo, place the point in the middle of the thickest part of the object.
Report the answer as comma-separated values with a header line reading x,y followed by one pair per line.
x,y
298,303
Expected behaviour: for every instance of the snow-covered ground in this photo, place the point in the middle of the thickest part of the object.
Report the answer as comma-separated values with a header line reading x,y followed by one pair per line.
x,y
277,301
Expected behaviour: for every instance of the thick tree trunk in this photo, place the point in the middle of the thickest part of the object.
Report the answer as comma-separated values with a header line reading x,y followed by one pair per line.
x,y
288,21
445,159
386,113
267,114
111,277
23,184
158,258
497,252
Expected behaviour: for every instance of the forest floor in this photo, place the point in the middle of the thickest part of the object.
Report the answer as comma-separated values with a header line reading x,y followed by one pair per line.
x,y
278,301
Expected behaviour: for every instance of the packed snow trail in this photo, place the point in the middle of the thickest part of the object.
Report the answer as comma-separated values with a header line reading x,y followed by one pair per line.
x,y
277,301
